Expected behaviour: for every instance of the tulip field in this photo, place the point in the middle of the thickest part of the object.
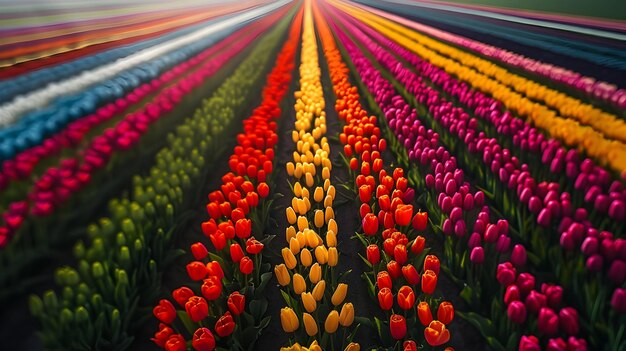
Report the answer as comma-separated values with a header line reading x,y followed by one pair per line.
x,y
311,175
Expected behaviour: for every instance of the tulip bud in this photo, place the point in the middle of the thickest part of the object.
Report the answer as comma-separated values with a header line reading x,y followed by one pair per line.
x,y
568,320
315,273
397,326
477,256
548,322
289,320
289,258
309,302
516,312
618,300
518,256
445,312
346,316
332,322
299,285
333,256
282,275
306,258
512,294
353,347
529,343
310,325
318,290
340,294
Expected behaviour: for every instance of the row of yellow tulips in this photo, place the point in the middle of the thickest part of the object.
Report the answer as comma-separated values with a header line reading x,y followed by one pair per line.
x,y
308,274
599,134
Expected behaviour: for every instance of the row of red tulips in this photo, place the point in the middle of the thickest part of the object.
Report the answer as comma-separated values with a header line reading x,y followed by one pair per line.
x,y
232,281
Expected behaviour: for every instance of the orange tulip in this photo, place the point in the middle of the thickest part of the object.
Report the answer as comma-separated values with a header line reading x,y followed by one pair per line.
x,y
429,282
436,334
445,312
424,313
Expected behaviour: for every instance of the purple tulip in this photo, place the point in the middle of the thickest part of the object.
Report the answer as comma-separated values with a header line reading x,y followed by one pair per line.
x,y
617,210
456,214
447,227
518,256
516,312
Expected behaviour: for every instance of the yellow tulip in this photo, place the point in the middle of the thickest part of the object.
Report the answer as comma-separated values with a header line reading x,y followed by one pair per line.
x,y
294,246
299,285
295,136
305,193
298,172
294,347
315,346
331,240
319,218
307,203
330,214
346,316
297,189
331,192
303,223
308,301
332,322
318,195
290,232
309,180
289,258
333,256
289,320
328,201
291,215
302,207
318,290
310,325
311,238
325,173
353,346
332,225
282,275
302,238
340,294
321,254
326,184
290,168
315,273
306,258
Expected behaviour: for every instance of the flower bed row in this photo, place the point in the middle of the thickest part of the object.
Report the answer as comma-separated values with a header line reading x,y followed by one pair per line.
x,y
397,117
589,86
79,96
574,133
391,244
225,296
119,271
309,276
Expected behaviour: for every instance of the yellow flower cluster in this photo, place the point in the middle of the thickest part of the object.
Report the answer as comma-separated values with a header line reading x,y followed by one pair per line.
x,y
311,236
597,133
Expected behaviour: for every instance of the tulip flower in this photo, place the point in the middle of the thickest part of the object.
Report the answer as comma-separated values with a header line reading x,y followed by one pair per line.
x,y
477,256
162,335
211,288
400,254
346,316
353,346
199,251
332,322
318,290
517,312
511,294
406,298
409,345
310,325
236,303
431,262
196,270
340,294
203,340
282,275
618,300
518,256
403,215
568,321
535,301
365,193
333,256
299,285
309,302
236,253
385,299
165,311
410,274
548,321
556,345
383,280
315,273
246,265
418,245
397,326
305,258
436,333
525,282
253,246
505,274
289,320
370,224
263,189
429,282
424,314
321,254
176,342
197,308
215,270
529,343
225,325
289,258
445,312
182,294
373,254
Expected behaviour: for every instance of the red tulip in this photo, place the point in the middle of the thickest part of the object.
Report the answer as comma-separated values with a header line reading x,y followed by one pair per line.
x,y
536,301
162,335
517,312
199,251
548,322
196,270
518,256
420,221
176,342
406,298
410,274
236,253
182,294
525,282
243,228
211,288
436,333
397,325
556,345
529,343
209,227
165,311
618,300
568,319
373,254
403,215
385,299
505,274
364,210
218,239
384,203
254,246
511,294
394,269
383,280
215,270
431,262
400,254
197,308
554,294
236,303
418,245
389,245
445,312
370,224
409,345
388,221
263,189
225,325
429,282
365,193
424,314
203,340
246,265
